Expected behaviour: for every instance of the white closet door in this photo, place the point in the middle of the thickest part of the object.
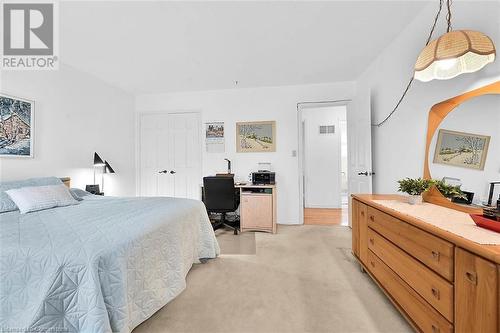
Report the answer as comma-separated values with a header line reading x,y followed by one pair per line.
x,y
170,155
184,155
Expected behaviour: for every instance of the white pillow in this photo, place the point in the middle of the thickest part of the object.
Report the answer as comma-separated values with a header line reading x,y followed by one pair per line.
x,y
34,198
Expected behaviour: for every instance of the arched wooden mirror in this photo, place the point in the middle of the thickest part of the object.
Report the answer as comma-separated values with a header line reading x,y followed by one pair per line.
x,y
463,146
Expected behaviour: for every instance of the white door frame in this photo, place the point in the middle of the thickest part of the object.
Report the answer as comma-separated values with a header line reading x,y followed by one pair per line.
x,y
138,118
301,107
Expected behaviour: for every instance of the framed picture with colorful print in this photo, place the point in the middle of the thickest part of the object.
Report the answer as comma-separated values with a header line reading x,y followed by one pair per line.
x,y
16,126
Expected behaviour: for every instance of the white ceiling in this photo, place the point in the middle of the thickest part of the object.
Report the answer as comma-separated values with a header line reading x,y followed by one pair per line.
x,y
150,47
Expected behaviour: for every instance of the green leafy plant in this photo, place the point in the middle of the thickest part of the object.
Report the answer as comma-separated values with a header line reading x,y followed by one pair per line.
x,y
414,186
449,191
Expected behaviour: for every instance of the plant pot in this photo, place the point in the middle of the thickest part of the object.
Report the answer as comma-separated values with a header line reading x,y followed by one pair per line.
x,y
415,199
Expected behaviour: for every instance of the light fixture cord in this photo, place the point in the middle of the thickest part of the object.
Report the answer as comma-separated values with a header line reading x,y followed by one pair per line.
x,y
426,43
448,16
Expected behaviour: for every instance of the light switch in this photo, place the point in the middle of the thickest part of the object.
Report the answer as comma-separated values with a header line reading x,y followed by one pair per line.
x,y
294,153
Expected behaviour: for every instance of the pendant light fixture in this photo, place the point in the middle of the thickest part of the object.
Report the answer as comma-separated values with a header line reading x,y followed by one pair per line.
x,y
454,53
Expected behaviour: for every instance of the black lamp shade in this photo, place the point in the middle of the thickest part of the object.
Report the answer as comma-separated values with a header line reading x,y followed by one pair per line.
x,y
108,168
98,160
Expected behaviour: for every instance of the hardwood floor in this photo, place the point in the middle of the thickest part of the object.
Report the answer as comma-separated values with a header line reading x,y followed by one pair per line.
x,y
325,216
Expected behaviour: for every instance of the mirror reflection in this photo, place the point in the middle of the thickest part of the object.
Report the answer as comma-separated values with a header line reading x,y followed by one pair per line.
x,y
465,150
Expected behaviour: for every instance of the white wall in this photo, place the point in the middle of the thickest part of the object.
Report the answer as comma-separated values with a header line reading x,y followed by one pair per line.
x,y
269,103
75,115
322,157
399,146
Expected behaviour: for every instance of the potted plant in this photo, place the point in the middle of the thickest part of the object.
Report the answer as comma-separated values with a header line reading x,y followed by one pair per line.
x,y
414,188
449,191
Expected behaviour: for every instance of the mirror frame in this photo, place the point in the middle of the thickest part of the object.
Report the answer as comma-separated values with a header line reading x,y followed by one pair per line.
x,y
436,116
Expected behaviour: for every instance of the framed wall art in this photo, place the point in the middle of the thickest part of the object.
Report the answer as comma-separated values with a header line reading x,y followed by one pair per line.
x,y
16,126
461,149
256,136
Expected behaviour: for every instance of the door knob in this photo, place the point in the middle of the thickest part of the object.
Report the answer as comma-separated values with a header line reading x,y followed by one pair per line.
x,y
172,172
163,171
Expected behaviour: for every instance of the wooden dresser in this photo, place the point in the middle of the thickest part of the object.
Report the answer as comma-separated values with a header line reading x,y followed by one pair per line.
x,y
440,282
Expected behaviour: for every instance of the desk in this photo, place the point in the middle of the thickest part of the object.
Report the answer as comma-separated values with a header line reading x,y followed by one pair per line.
x,y
257,207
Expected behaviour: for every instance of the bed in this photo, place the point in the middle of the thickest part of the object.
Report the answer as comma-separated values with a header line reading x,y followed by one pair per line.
x,y
104,265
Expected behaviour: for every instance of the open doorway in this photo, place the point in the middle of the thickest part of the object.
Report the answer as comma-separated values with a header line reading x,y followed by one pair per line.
x,y
323,156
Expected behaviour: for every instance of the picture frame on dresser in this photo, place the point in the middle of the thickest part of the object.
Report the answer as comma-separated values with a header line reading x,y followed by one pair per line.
x,y
17,122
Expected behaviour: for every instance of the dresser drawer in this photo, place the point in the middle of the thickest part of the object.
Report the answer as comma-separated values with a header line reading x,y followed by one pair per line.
x,y
434,252
423,316
433,288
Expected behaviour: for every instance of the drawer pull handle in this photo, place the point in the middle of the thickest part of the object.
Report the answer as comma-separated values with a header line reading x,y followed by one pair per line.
x,y
372,263
471,277
435,293
362,213
372,218
372,241
435,329
436,255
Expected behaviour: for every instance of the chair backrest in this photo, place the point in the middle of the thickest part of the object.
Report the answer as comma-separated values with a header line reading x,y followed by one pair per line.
x,y
219,194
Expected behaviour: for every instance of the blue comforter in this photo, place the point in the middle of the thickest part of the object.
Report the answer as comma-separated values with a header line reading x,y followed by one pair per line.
x,y
104,265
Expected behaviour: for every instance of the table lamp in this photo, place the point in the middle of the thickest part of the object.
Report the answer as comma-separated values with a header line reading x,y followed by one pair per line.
x,y
107,169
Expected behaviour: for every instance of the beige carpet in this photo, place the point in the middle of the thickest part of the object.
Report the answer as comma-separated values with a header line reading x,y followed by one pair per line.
x,y
244,243
302,279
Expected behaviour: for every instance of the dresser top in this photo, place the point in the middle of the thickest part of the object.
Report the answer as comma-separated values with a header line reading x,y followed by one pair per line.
x,y
491,252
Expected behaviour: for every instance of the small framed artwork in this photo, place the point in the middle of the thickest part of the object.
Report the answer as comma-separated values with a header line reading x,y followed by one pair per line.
x,y
214,137
256,136
16,126
460,149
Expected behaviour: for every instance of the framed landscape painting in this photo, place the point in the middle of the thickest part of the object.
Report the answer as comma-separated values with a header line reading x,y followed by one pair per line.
x,y
256,136
16,126
461,149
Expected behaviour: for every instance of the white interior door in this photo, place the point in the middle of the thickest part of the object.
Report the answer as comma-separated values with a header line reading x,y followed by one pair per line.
x,y
360,144
170,155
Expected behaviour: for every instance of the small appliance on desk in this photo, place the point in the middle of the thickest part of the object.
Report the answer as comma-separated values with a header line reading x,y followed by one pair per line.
x,y
264,176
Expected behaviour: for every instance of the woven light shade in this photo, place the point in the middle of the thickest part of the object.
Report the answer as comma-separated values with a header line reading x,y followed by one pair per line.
x,y
454,53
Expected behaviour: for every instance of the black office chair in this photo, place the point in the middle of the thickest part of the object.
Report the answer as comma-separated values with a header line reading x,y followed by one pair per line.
x,y
220,196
